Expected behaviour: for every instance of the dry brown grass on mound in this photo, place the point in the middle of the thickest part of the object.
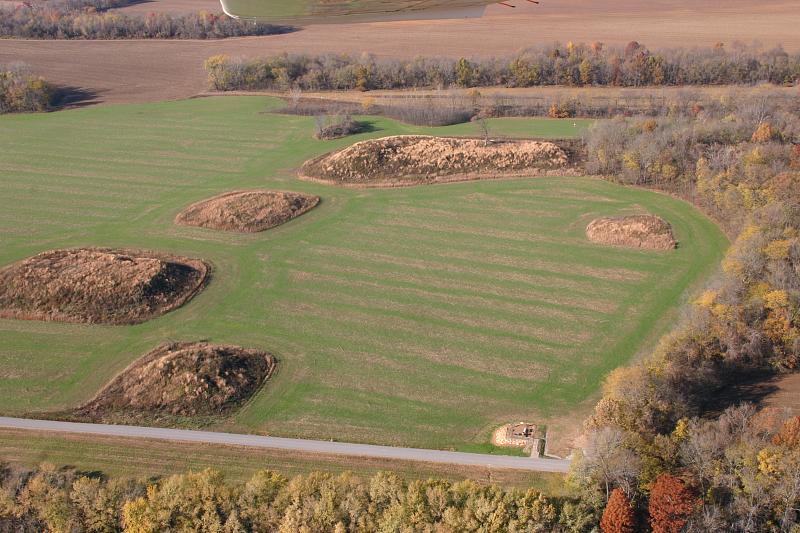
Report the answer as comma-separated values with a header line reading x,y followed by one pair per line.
x,y
415,159
634,231
98,286
247,211
181,379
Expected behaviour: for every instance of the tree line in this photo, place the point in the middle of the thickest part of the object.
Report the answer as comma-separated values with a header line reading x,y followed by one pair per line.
x,y
571,65
91,19
739,472
22,91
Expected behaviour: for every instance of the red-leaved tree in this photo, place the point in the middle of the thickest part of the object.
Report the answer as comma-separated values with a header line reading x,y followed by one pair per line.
x,y
618,516
672,503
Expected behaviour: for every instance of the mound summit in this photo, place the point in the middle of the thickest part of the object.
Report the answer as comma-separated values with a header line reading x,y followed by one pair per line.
x,y
247,211
417,159
181,379
98,285
634,231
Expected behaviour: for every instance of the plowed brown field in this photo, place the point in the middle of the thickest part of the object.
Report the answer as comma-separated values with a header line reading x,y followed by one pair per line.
x,y
141,71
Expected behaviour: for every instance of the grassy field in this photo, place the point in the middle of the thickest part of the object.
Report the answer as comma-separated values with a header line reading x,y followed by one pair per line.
x,y
420,316
136,458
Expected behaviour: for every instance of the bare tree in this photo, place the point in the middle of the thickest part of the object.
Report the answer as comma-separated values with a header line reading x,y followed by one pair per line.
x,y
610,461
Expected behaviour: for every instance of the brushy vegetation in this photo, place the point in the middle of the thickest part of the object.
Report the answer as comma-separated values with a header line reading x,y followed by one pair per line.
x,y
98,286
744,467
633,231
571,65
455,106
21,91
415,159
91,19
247,211
335,126
181,379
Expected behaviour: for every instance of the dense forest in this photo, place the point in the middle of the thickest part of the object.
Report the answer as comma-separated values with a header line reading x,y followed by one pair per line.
x,y
740,161
569,65
22,91
91,19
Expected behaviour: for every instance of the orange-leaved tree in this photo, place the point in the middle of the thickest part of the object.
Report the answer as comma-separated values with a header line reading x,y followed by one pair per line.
x,y
672,503
618,516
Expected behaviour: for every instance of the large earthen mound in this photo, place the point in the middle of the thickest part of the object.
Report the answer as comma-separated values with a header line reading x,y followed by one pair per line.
x,y
634,231
247,211
181,380
98,286
416,159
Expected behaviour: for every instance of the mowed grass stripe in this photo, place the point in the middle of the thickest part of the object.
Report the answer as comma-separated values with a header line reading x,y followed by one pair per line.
x,y
540,327
530,276
419,316
429,243
430,296
480,286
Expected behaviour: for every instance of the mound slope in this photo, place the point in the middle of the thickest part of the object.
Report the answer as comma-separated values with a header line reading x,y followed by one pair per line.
x,y
182,379
98,285
417,159
634,231
247,211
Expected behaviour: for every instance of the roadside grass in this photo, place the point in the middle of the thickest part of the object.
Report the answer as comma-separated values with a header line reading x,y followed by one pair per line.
x,y
145,459
421,316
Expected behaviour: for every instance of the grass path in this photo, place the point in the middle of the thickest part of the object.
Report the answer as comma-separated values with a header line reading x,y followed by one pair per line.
x,y
421,316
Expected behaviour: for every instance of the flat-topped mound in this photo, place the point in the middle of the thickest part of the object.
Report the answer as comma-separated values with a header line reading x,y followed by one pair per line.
x,y
98,285
418,159
247,211
182,379
634,231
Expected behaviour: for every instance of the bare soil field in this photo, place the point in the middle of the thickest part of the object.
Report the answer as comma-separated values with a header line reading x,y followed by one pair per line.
x,y
145,71
786,394
247,211
144,7
416,159
181,379
98,286
633,231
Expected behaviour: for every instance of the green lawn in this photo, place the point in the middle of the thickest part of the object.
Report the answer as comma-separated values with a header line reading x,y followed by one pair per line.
x,y
420,316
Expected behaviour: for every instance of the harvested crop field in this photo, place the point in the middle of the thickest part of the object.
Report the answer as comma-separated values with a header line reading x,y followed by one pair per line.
x,y
633,231
181,379
422,316
152,70
247,211
98,286
417,159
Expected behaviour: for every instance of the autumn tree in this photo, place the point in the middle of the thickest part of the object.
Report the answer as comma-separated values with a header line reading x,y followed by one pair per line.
x,y
672,504
618,516
465,73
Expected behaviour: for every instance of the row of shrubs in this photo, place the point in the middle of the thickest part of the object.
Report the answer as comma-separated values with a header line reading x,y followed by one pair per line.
x,y
21,91
82,19
571,65
455,107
